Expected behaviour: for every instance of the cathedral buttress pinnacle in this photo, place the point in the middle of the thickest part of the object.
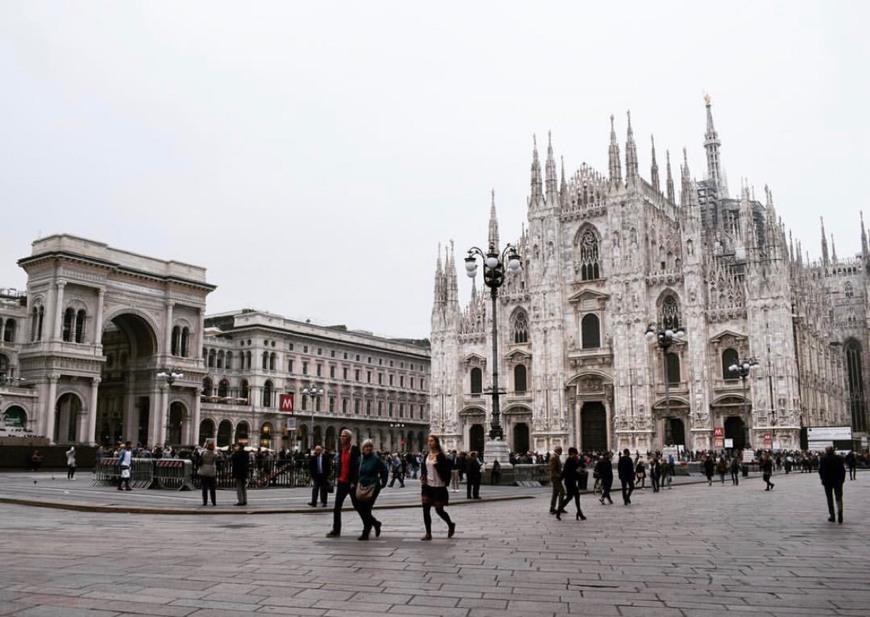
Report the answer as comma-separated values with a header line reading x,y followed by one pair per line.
x,y
615,163
535,195
654,168
551,171
493,224
631,166
670,179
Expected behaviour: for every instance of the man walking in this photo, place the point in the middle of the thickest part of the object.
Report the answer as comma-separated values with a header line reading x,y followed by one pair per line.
x,y
318,470
125,463
346,477
604,468
833,474
241,464
767,471
473,476
556,479
625,470
852,464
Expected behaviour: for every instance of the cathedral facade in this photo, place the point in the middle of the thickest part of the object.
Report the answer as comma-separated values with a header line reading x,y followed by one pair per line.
x,y
607,257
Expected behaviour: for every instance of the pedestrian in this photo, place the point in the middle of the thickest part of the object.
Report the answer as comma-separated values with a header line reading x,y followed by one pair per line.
x,y
372,478
125,464
472,476
640,471
208,473
318,471
852,464
396,467
347,472
767,471
667,473
571,477
625,470
604,468
709,468
495,473
71,463
833,474
435,473
241,464
722,469
35,461
454,472
735,471
555,466
655,472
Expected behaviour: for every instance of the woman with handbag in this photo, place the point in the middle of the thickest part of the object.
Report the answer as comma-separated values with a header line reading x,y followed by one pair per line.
x,y
208,473
373,474
436,471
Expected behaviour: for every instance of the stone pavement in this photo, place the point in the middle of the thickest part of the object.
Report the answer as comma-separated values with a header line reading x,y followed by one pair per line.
x,y
695,550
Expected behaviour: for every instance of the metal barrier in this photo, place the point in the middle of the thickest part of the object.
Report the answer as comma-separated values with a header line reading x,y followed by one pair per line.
x,y
107,472
175,474
531,475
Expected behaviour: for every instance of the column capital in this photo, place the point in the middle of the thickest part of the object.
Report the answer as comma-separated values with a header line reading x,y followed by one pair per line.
x,y
54,377
95,381
61,283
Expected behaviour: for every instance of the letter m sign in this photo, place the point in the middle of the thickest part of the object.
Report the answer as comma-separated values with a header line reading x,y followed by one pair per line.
x,y
286,402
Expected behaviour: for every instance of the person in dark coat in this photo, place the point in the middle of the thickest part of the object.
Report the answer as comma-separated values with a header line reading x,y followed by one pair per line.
x,y
472,476
241,462
709,469
435,474
625,470
318,470
571,477
604,469
833,474
373,474
767,470
347,475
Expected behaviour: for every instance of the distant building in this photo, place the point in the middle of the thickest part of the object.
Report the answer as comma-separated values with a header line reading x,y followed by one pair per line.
x,y
604,256
106,345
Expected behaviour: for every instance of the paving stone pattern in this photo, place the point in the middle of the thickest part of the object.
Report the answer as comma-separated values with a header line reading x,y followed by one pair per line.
x,y
694,550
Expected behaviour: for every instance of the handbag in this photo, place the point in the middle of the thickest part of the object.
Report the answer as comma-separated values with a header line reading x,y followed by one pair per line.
x,y
125,473
330,487
366,493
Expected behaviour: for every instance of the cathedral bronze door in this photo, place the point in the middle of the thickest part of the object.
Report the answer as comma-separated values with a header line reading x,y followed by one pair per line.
x,y
521,437
475,438
593,427
735,428
675,432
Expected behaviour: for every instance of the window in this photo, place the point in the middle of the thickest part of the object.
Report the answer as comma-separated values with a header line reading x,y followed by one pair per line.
x,y
401,381
476,381
223,388
37,317
9,331
344,406
344,373
319,370
176,339
589,268
520,379
304,402
390,410
673,368
212,357
80,326
244,390
304,368
272,361
69,317
590,331
331,404
220,359
356,374
520,327
207,386
848,290
289,366
356,406
265,360
368,408
185,342
332,372
267,394
229,364
380,379
670,313
401,410
368,376
729,358
391,380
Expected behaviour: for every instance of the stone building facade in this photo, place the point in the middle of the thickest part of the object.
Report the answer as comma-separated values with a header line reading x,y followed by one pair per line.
x,y
606,256
106,345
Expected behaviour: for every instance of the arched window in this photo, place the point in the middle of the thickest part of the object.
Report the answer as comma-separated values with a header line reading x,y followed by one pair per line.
x,y
212,356
4,366
590,331
223,388
176,340
476,381
729,358
248,360
69,319
670,312
855,376
848,290
244,391
9,331
207,386
229,364
80,326
220,359
272,361
265,361
37,317
185,342
589,262
673,369
520,327
520,378
267,394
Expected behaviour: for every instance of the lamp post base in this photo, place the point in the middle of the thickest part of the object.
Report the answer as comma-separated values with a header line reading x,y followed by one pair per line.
x,y
497,450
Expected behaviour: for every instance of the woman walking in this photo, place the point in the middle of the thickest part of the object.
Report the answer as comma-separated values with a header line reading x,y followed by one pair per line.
x,y
435,475
71,463
373,474
570,475
207,473
605,475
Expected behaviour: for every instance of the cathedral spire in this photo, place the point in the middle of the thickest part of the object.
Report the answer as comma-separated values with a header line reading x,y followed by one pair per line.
x,y
711,145
493,224
535,195
631,169
615,163
686,185
654,169
551,170
833,250
825,260
670,179
563,187
864,248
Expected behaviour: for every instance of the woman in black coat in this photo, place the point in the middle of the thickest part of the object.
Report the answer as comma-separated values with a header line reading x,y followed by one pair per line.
x,y
570,476
604,469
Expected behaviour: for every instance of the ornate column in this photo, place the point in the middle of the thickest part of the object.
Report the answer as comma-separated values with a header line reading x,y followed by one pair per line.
x,y
51,406
167,339
91,426
57,328
162,417
98,322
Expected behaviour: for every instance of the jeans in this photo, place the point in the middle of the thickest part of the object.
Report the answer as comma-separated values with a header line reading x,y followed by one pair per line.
x,y
627,489
242,490
342,490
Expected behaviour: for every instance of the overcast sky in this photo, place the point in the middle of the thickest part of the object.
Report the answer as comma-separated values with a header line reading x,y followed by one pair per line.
x,y
313,155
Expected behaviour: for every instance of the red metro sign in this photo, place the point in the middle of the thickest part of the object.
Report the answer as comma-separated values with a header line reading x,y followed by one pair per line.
x,y
285,403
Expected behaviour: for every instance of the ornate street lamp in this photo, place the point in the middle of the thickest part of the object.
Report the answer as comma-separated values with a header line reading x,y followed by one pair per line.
x,y
170,375
313,392
742,369
664,337
494,266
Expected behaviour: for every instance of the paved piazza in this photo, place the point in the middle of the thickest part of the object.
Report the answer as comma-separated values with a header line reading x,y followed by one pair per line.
x,y
693,550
